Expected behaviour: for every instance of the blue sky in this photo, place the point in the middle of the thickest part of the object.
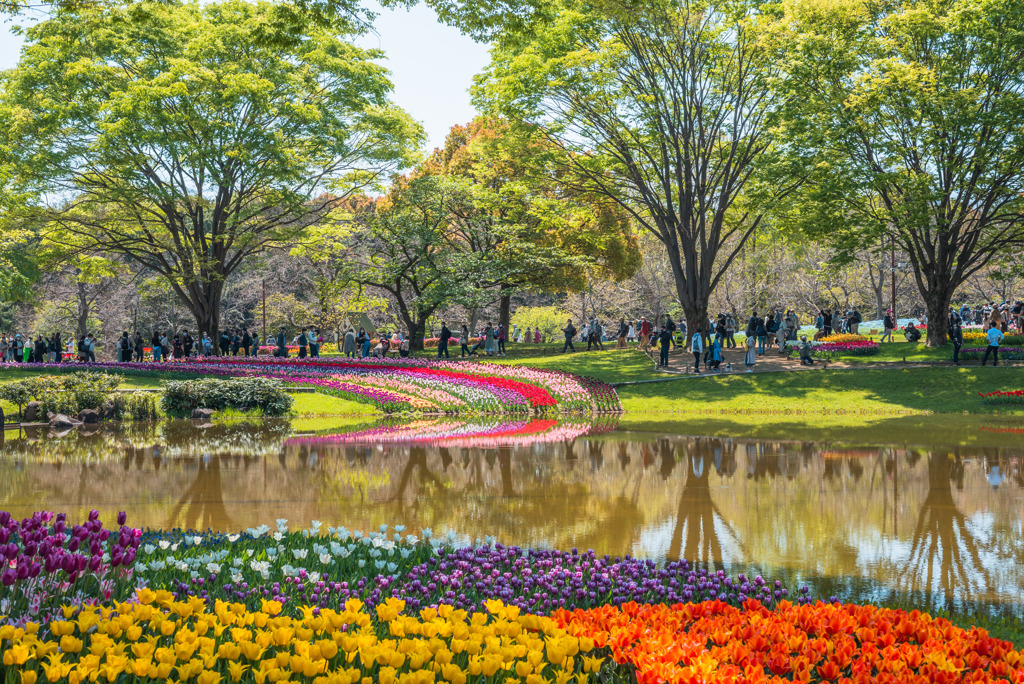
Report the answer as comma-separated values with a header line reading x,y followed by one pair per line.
x,y
432,66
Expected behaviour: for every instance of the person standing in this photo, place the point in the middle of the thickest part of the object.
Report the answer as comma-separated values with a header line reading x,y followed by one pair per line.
x,y
154,342
697,347
236,342
762,336
826,322
887,326
17,350
645,334
303,343
995,336
490,345
124,346
570,332
186,344
282,345
140,347
751,357
501,339
956,336
442,342
731,325
665,339
348,348
246,341
40,349
255,344
623,333
528,338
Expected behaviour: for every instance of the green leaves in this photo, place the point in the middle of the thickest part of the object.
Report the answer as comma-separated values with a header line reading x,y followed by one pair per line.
x,y
186,138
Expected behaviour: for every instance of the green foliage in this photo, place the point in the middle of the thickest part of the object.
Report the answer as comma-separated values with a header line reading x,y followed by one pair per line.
x,y
135,406
67,393
550,320
179,138
181,397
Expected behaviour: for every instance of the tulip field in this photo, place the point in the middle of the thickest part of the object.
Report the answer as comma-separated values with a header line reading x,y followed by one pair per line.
x,y
319,604
411,385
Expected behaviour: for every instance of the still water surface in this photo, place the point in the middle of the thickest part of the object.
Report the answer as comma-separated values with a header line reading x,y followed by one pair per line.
x,y
940,526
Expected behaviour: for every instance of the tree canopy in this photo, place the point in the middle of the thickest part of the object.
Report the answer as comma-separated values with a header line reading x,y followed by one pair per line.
x,y
169,135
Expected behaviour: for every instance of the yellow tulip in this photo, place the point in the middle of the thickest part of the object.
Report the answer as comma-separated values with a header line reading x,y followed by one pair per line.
x,y
208,677
62,628
236,670
29,676
270,607
16,655
523,668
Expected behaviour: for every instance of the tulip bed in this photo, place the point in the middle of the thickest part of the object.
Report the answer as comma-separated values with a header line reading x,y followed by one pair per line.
x,y
998,397
400,385
831,350
1005,354
466,433
325,606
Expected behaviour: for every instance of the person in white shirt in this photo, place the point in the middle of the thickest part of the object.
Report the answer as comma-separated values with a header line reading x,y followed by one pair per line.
x,y
697,347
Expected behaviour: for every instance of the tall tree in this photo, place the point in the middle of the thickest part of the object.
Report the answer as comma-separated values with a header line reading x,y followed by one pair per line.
x,y
664,107
911,115
397,244
527,228
197,143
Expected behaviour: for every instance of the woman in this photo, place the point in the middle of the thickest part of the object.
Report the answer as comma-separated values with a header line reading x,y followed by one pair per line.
x,y
349,349
490,344
155,343
762,336
140,347
623,334
536,335
751,357
528,338
178,348
780,338
464,341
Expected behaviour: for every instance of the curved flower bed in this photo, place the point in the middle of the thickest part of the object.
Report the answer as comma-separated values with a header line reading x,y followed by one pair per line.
x,y
396,385
464,433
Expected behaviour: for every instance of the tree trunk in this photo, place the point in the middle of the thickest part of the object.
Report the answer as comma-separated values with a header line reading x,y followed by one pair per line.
x,y
206,310
417,331
82,324
505,308
937,306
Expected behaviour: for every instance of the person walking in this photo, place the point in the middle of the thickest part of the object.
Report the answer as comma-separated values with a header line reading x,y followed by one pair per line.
x,y
780,337
887,326
464,341
665,338
645,334
570,332
671,326
995,336
697,347
731,324
623,333
442,342
956,336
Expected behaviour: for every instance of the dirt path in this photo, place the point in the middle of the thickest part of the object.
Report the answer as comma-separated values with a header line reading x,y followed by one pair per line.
x,y
681,362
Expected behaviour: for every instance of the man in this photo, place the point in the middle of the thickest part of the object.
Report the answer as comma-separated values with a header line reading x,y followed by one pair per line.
x,y
90,347
805,352
124,346
570,332
888,325
349,346
623,332
855,320
186,343
282,345
154,343
666,339
697,347
670,325
303,343
995,336
224,343
826,322
956,336
246,340
442,342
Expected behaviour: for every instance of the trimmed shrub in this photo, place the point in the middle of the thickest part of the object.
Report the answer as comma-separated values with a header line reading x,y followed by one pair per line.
x,y
135,406
67,393
181,397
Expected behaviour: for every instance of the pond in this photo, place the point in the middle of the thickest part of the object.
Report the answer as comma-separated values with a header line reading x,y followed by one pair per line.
x,y
940,526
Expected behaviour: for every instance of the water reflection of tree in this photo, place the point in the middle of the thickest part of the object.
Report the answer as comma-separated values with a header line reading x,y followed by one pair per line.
x,y
201,505
945,556
698,519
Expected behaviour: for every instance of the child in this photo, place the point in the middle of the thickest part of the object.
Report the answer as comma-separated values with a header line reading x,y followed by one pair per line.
x,y
751,357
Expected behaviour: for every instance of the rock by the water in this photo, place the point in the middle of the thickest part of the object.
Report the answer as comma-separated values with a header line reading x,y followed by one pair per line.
x,y
32,411
202,414
89,416
61,421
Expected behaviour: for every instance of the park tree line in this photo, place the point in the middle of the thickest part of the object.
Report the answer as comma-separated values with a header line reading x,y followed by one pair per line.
x,y
683,156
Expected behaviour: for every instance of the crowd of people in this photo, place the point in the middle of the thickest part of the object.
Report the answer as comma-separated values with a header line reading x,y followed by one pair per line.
x,y
763,332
